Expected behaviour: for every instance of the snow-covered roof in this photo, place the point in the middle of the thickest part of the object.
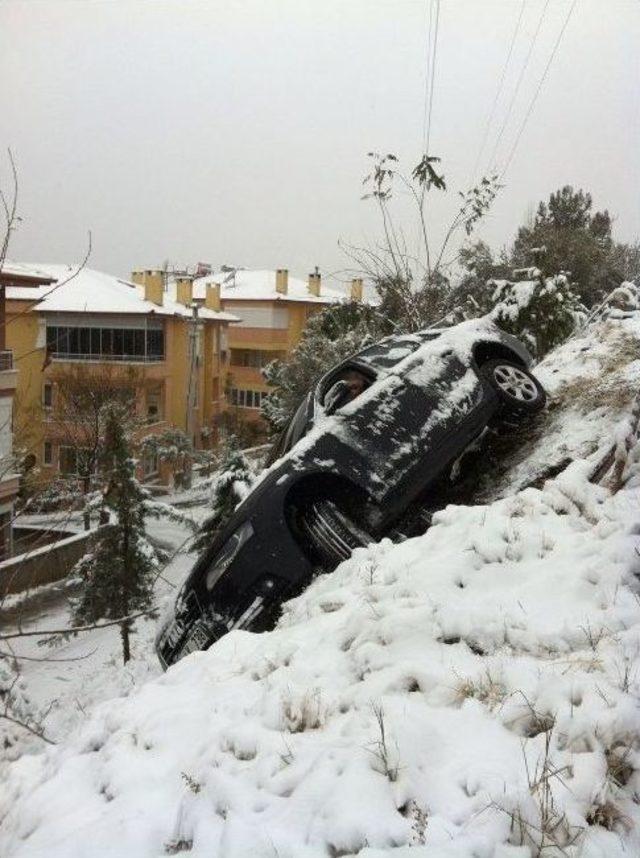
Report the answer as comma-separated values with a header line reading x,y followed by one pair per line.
x,y
244,284
21,271
88,291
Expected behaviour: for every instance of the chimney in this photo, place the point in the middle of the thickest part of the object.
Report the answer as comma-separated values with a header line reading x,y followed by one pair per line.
x,y
212,297
137,277
184,290
282,280
314,283
153,281
356,289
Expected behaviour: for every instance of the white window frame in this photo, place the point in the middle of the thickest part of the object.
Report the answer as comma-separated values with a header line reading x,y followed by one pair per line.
x,y
241,397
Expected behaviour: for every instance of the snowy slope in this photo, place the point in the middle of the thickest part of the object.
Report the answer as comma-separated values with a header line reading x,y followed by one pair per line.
x,y
591,382
471,692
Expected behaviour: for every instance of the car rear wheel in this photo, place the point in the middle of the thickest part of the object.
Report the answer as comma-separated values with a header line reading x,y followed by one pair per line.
x,y
519,391
331,534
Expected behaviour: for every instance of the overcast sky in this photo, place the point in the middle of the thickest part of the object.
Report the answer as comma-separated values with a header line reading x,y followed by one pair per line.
x,y
236,131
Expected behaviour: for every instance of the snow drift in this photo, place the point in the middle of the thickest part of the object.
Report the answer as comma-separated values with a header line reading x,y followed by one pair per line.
x,y
471,692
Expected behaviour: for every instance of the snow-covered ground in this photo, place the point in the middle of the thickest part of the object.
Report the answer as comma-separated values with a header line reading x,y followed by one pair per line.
x,y
470,692
82,671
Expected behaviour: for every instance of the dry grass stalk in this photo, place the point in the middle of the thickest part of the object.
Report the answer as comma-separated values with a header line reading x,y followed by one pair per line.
x,y
386,758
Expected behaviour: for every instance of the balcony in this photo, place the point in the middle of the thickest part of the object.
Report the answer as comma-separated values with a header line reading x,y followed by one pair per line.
x,y
109,358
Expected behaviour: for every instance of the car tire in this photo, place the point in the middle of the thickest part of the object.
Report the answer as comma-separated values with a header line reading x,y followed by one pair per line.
x,y
330,533
519,391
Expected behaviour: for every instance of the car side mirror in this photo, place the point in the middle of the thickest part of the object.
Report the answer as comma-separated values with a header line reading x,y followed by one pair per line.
x,y
336,397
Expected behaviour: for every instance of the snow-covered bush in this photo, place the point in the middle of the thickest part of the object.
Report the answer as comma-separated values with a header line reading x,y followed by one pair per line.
x,y
625,298
19,717
169,446
62,493
541,311
228,487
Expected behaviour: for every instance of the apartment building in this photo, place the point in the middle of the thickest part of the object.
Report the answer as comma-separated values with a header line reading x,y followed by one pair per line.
x,y
174,359
273,308
11,276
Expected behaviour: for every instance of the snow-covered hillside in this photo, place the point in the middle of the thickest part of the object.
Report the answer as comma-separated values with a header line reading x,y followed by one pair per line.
x,y
470,692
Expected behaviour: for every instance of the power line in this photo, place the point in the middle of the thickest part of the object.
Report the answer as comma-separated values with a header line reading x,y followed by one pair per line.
x,y
519,83
433,74
427,78
491,115
539,87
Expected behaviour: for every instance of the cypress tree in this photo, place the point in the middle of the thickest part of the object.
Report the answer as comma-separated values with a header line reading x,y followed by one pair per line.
x,y
119,572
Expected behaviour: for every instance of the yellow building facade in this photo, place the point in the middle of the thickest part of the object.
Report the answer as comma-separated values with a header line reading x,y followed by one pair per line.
x,y
273,309
110,331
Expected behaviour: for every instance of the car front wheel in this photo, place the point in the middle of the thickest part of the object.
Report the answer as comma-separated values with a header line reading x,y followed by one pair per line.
x,y
519,391
331,534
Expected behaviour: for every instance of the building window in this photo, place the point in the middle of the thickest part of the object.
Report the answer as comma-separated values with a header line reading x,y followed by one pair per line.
x,y
48,453
47,394
150,463
118,344
75,461
247,398
254,357
154,406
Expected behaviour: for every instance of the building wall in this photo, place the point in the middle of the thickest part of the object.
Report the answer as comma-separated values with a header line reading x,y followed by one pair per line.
x,y
32,423
274,326
22,331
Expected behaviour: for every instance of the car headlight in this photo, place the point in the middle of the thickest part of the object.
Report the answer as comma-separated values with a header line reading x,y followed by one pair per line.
x,y
229,550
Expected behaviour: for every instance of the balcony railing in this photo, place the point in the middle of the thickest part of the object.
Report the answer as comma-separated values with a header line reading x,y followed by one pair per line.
x,y
6,360
69,356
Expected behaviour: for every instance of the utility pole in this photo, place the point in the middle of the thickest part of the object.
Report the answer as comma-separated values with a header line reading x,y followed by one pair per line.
x,y
193,384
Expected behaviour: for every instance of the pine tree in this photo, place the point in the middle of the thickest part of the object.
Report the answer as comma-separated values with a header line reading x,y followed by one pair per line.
x,y
118,574
567,235
229,487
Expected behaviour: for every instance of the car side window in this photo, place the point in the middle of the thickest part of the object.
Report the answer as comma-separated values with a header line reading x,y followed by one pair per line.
x,y
345,386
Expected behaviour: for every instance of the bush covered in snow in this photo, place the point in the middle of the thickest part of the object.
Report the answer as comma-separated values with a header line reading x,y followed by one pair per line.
x,y
19,716
229,485
542,312
625,298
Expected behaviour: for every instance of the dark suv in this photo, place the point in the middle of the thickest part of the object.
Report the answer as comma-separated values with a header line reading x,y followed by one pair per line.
x,y
353,465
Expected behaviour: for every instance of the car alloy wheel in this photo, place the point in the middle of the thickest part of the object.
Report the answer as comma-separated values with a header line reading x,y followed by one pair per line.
x,y
514,382
520,392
